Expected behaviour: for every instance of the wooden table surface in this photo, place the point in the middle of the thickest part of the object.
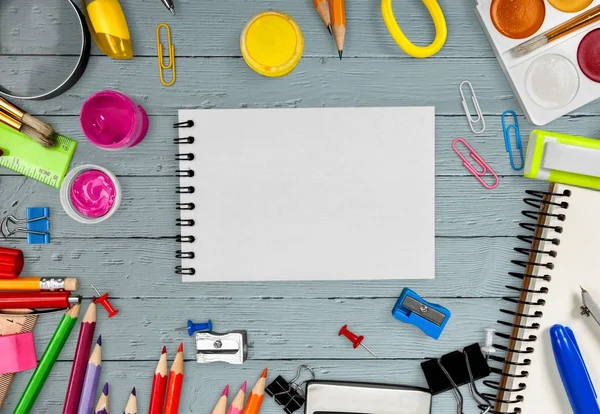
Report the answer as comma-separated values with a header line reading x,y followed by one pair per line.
x,y
132,254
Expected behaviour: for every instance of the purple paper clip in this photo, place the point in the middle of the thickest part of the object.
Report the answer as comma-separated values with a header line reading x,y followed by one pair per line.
x,y
477,158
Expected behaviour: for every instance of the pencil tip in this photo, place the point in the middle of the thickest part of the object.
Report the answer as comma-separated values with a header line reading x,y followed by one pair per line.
x,y
264,373
180,349
226,391
133,392
329,29
99,341
164,350
172,11
244,386
340,54
105,389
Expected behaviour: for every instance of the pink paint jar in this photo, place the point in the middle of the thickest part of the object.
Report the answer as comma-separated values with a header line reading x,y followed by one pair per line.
x,y
90,194
113,121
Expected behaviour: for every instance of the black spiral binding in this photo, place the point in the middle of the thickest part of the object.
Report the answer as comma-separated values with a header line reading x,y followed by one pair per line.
x,y
180,254
536,259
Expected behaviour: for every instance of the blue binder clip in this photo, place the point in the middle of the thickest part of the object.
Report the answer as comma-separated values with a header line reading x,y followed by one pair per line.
x,y
506,129
428,317
38,225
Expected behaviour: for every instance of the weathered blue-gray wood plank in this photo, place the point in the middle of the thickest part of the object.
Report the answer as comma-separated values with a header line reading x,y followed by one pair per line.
x,y
131,255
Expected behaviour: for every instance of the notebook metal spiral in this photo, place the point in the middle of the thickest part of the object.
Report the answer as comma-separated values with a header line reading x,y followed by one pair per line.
x,y
180,254
536,279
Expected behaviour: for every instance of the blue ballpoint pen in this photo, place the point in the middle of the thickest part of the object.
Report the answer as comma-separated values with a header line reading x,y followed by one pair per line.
x,y
573,372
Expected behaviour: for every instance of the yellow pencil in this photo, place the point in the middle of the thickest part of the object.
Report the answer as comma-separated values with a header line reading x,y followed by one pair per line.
x,y
38,284
338,23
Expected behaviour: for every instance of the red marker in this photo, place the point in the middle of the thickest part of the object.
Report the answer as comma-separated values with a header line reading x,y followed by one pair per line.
x,y
38,300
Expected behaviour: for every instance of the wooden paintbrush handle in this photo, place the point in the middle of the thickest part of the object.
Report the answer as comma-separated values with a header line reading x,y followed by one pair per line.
x,y
10,121
589,17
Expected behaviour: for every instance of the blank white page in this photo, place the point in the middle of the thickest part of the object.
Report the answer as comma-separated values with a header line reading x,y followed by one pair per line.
x,y
310,194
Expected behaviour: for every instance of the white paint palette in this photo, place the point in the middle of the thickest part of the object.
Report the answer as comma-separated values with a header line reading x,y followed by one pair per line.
x,y
553,80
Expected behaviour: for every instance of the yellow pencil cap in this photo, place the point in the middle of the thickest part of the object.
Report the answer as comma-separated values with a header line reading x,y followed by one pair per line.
x,y
272,43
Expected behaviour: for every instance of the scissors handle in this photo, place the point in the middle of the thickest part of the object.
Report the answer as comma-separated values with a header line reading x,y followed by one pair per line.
x,y
441,30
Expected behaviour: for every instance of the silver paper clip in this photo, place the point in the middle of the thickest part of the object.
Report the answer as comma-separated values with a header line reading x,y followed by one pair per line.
x,y
506,129
230,347
477,158
473,121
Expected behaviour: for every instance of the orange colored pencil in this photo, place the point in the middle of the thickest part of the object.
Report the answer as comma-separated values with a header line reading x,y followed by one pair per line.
x,y
175,383
257,394
322,8
338,23
159,385
238,402
221,406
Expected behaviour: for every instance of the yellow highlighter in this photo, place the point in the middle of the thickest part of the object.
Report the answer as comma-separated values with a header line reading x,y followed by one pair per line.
x,y
439,21
108,27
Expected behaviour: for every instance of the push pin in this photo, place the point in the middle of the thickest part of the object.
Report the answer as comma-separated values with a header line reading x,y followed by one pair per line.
x,y
192,327
488,347
356,340
103,300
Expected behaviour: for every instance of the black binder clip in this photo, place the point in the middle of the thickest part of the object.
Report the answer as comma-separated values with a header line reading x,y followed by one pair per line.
x,y
459,368
289,394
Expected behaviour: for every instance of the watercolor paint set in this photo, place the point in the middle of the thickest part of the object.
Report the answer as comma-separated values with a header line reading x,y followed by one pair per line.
x,y
549,51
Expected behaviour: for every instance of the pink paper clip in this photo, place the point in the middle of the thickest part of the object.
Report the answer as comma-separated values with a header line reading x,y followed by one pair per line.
x,y
484,167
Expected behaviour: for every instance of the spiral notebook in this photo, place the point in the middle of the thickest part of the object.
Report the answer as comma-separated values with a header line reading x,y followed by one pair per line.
x,y
562,254
306,194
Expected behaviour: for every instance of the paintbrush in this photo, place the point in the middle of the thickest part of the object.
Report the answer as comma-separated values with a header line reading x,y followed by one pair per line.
x,y
40,131
584,19
25,129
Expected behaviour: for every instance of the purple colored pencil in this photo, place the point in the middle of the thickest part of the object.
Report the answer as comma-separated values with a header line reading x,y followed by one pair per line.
x,y
90,383
82,352
102,406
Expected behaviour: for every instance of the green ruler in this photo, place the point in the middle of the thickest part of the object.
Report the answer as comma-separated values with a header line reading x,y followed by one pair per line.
x,y
24,156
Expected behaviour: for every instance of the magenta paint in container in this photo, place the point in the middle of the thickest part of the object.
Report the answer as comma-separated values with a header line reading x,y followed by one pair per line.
x,y
113,121
90,194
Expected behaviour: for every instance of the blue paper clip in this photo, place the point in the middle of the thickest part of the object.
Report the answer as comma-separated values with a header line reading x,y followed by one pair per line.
x,y
507,129
428,317
38,225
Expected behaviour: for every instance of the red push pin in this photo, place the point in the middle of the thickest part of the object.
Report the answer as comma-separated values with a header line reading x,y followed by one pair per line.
x,y
356,340
103,300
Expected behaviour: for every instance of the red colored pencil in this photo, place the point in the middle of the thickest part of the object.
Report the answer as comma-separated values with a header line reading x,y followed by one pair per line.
x,y
80,360
159,385
175,383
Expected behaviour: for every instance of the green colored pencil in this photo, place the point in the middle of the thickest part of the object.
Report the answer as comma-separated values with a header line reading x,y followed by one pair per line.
x,y
39,376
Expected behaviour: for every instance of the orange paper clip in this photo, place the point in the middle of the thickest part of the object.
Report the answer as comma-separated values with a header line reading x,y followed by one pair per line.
x,y
477,158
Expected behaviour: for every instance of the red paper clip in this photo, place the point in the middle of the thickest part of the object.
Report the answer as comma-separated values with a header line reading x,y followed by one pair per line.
x,y
477,158
103,300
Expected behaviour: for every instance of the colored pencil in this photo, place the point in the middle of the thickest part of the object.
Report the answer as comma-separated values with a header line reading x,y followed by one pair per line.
x,y
322,8
131,407
221,406
90,383
82,352
159,385
102,406
38,300
338,23
257,394
175,383
38,284
39,376
238,402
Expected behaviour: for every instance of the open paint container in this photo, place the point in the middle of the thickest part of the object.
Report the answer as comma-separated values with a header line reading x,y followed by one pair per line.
x,y
90,194
557,78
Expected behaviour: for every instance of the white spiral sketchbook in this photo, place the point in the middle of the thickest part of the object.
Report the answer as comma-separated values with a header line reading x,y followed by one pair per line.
x,y
306,194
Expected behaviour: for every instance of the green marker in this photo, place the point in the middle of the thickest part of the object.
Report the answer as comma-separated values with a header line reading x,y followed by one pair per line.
x,y
25,156
56,344
562,158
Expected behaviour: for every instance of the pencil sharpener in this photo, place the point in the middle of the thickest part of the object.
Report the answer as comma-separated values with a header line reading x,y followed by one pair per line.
x,y
230,347
428,317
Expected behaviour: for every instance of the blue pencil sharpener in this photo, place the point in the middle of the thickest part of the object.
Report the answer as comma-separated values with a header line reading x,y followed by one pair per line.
x,y
428,317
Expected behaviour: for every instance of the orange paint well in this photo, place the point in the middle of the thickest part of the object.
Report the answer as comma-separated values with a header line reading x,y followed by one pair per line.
x,y
570,6
518,19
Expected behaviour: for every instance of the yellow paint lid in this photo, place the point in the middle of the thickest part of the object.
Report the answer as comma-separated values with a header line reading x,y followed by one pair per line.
x,y
272,43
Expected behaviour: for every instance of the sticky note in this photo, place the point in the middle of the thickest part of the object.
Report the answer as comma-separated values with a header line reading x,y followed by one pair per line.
x,y
18,353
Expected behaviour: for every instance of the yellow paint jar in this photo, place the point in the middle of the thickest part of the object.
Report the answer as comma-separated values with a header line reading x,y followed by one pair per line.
x,y
272,43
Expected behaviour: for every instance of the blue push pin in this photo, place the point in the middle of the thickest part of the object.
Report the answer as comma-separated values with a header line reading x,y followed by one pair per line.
x,y
192,327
